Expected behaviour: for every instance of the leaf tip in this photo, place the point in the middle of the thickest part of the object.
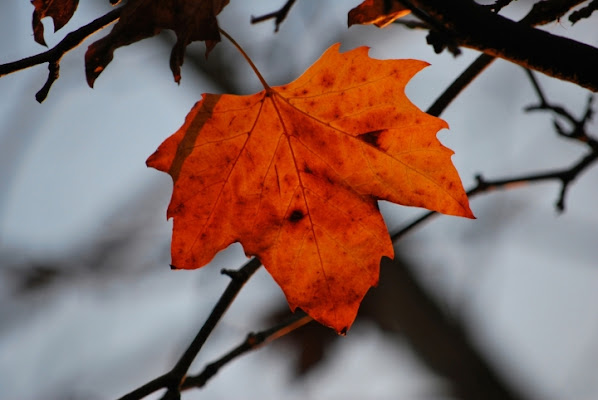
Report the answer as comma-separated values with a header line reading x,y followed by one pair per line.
x,y
470,214
464,210
335,47
96,60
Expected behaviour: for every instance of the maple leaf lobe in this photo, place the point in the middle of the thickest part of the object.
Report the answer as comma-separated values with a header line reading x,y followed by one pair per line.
x,y
60,11
294,174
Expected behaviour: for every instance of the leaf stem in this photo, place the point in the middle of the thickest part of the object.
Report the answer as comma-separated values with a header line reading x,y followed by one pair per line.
x,y
251,64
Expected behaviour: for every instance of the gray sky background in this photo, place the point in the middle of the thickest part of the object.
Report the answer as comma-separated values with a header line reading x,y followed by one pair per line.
x,y
73,177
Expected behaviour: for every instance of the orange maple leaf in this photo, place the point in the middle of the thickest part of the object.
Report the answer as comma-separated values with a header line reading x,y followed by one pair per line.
x,y
140,19
294,173
61,12
376,12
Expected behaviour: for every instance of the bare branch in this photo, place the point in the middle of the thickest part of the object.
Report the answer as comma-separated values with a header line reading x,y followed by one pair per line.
x,y
55,54
278,16
252,342
578,126
566,176
460,84
173,379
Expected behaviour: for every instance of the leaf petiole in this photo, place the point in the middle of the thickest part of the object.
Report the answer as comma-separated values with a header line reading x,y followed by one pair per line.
x,y
238,46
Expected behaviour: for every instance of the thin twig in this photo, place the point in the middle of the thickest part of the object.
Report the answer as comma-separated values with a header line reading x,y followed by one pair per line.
x,y
459,84
566,175
54,55
578,126
252,342
278,16
173,379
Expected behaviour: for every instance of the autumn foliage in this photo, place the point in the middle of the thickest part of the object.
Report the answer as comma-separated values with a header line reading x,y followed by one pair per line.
x,y
294,173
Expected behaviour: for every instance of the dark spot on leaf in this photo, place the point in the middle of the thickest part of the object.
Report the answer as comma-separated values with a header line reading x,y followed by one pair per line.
x,y
296,216
372,137
307,170
172,267
327,80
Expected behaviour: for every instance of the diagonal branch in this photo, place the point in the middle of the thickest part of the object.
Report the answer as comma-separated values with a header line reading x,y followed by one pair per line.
x,y
55,54
459,84
173,379
252,342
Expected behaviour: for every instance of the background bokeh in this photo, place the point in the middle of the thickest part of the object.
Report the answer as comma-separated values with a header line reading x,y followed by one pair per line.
x,y
90,310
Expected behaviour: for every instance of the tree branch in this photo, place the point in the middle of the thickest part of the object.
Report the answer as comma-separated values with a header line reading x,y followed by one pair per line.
x,y
578,126
173,379
565,175
278,16
459,84
55,54
252,342
474,26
